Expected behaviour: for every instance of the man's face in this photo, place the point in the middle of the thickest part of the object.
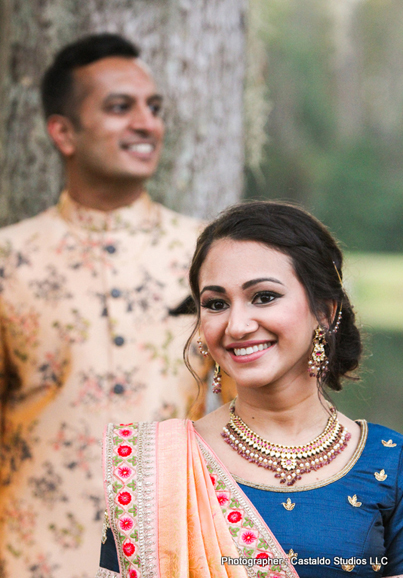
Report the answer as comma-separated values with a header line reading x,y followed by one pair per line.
x,y
120,132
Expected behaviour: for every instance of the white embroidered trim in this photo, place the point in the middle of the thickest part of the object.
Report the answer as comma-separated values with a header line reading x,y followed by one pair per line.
x,y
104,573
146,499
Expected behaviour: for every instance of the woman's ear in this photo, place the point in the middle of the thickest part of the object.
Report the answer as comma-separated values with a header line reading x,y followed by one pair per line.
x,y
327,318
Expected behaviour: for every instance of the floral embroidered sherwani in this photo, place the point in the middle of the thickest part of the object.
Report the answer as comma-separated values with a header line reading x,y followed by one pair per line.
x,y
88,337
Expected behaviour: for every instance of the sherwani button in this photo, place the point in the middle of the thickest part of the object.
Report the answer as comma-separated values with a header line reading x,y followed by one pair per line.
x,y
118,340
116,293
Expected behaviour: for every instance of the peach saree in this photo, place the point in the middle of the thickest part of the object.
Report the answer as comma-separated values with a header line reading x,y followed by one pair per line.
x,y
176,512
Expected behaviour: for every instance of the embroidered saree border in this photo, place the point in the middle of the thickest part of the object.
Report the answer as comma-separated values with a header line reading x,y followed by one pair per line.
x,y
109,487
104,573
130,480
224,484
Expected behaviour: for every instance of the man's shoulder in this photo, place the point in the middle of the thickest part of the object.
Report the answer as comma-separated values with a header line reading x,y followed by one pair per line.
x,y
181,222
24,229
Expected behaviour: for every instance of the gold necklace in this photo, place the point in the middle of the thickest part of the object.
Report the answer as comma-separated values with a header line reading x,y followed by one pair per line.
x,y
288,462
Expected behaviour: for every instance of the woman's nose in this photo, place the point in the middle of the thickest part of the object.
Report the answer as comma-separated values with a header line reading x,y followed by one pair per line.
x,y
240,323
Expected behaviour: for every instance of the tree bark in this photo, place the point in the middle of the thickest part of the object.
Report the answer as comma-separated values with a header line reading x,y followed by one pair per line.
x,y
196,49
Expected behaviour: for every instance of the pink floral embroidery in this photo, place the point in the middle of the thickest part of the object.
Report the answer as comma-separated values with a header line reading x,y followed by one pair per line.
x,y
124,472
77,446
243,537
262,556
126,515
124,498
126,432
222,498
126,523
248,537
124,451
22,520
234,517
23,326
128,549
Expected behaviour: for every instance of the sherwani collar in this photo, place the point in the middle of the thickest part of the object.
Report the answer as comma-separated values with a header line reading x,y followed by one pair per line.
x,y
138,214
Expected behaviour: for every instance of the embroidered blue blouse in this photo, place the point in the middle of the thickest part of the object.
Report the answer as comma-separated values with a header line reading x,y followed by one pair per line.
x,y
325,527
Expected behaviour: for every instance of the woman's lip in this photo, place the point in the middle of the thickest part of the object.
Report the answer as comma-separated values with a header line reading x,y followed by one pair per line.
x,y
245,344
251,356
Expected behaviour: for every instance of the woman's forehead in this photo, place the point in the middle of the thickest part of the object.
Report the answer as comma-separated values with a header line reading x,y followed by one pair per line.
x,y
239,260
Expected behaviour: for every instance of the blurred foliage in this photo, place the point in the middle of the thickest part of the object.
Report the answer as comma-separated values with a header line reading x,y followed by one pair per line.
x,y
378,397
335,130
374,282
334,76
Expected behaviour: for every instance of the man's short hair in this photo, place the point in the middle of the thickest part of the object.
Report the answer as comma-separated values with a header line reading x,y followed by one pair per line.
x,y
57,87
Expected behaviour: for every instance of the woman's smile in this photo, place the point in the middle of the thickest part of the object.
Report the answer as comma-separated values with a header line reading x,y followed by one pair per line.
x,y
249,351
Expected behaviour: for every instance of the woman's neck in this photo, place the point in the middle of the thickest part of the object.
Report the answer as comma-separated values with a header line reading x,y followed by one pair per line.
x,y
286,417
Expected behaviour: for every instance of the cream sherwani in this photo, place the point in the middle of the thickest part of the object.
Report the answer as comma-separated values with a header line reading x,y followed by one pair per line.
x,y
88,337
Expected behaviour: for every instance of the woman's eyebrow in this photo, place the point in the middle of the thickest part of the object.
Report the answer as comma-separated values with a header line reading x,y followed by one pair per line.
x,y
246,285
215,288
260,280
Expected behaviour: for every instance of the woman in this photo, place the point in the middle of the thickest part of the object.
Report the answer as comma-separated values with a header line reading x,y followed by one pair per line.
x,y
277,483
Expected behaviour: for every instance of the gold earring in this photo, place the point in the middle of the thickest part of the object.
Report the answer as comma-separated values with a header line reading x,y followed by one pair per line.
x,y
217,379
200,345
318,364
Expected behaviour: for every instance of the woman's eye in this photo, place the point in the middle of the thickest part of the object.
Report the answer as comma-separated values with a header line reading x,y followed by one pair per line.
x,y
264,297
214,304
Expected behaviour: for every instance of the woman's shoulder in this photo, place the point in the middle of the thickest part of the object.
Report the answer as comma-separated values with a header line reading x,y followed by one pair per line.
x,y
385,436
387,445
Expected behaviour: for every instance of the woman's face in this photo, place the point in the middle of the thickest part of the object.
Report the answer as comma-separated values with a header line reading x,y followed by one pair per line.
x,y
255,314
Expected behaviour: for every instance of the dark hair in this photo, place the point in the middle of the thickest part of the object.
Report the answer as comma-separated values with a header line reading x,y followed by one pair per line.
x,y
315,256
57,86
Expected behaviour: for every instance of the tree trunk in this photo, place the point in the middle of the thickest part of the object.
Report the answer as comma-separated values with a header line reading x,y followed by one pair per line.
x,y
348,69
196,49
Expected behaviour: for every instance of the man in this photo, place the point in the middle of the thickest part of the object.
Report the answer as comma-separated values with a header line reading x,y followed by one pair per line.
x,y
93,310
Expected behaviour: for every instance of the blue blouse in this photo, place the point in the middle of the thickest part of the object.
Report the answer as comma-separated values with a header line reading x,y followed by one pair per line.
x,y
354,519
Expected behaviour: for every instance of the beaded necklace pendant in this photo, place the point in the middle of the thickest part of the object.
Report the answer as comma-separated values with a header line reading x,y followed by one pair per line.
x,y
288,462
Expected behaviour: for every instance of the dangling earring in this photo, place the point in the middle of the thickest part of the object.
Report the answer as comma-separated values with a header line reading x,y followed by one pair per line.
x,y
200,345
217,371
318,365
217,379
